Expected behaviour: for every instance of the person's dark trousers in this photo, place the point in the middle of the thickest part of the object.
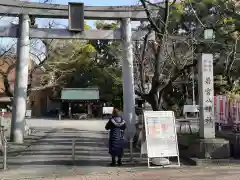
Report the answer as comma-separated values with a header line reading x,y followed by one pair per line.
x,y
119,160
114,160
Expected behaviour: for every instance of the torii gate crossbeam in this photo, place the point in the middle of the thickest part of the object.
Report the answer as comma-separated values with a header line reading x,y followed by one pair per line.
x,y
40,10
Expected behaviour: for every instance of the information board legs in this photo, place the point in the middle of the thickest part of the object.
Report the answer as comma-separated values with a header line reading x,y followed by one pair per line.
x,y
178,164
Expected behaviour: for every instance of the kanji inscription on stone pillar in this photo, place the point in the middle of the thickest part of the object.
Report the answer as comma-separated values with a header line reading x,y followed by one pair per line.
x,y
206,95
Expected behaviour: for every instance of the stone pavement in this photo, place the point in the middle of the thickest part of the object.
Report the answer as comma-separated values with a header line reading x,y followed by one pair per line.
x,y
76,173
209,173
51,157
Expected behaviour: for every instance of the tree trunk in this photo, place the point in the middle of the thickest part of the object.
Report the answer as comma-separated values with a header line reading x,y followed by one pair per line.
x,y
154,102
7,88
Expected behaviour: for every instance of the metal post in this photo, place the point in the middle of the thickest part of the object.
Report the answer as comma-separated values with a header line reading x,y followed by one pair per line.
x,y
193,73
70,110
73,150
128,78
1,119
21,81
5,155
3,143
131,149
59,116
193,87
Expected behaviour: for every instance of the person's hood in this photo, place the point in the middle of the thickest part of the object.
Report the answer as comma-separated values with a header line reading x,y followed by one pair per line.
x,y
117,124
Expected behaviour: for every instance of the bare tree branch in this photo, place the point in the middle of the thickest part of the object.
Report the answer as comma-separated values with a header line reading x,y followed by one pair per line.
x,y
151,21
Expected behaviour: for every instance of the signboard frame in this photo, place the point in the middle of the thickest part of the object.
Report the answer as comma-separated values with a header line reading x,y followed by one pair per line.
x,y
80,5
175,153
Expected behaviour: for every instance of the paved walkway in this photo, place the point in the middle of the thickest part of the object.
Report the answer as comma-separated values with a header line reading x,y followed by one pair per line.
x,y
208,173
76,173
51,157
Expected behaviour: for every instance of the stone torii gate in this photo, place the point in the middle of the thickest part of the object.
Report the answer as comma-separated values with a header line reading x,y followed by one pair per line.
x,y
24,32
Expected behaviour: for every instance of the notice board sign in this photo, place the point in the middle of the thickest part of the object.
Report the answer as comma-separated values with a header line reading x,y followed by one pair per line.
x,y
161,136
107,110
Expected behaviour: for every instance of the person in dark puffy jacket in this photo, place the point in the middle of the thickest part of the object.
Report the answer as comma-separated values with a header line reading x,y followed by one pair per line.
x,y
116,125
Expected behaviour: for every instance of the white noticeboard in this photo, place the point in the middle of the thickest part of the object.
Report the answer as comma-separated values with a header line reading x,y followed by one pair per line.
x,y
107,110
28,113
161,136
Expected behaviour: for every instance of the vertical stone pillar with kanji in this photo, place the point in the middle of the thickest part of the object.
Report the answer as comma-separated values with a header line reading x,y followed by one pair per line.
x,y
209,146
206,96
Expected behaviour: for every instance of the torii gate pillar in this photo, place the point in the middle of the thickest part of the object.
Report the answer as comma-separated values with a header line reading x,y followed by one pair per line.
x,y
21,80
128,78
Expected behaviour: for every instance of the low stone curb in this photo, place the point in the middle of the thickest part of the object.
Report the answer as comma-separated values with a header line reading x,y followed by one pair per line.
x,y
214,162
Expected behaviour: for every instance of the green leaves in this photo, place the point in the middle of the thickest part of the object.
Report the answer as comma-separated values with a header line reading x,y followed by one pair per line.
x,y
81,64
106,26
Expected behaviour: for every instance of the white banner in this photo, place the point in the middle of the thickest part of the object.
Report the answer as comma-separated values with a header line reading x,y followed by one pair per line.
x,y
161,134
